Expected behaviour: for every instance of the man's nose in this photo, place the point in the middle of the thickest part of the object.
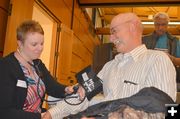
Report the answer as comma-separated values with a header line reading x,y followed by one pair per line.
x,y
161,26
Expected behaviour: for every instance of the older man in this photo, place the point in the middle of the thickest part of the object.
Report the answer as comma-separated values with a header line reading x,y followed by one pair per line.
x,y
134,68
161,39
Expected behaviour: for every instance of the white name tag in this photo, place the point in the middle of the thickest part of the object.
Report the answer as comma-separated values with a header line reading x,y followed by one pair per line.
x,y
85,76
21,83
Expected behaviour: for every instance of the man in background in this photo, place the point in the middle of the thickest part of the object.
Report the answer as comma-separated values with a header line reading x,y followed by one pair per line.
x,y
162,40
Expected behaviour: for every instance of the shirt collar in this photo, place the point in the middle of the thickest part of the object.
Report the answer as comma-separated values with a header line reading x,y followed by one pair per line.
x,y
138,51
134,54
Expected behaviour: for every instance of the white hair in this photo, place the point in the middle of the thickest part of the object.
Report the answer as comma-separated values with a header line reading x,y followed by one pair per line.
x,y
161,15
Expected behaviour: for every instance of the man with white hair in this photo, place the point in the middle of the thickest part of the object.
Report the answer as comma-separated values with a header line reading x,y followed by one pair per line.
x,y
133,68
161,39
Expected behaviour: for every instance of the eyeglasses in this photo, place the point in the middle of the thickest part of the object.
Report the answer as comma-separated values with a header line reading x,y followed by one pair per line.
x,y
160,24
113,30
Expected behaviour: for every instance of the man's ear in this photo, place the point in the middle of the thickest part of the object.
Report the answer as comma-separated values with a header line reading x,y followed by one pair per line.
x,y
133,27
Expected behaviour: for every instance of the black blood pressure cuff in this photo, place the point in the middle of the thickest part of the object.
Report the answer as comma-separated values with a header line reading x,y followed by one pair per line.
x,y
90,82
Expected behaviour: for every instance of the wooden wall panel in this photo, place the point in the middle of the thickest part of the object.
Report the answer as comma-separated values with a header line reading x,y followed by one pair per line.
x,y
88,42
4,6
63,79
77,63
61,9
82,51
52,61
64,53
82,35
72,80
82,27
81,57
78,47
21,10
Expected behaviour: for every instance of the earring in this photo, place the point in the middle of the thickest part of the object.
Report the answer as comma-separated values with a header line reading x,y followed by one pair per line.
x,y
18,50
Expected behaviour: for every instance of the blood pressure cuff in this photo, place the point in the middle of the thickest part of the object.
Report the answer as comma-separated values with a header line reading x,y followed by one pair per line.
x,y
90,82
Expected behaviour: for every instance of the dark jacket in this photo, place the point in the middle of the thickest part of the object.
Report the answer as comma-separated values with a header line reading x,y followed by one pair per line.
x,y
149,99
151,40
12,97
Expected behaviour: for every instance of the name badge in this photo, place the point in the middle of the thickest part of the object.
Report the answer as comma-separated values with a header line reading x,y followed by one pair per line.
x,y
21,83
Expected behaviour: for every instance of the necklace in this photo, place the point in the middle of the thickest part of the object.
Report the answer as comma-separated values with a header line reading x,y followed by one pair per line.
x,y
27,64
31,64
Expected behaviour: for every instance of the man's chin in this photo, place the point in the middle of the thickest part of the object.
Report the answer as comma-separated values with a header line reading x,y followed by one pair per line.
x,y
118,49
160,33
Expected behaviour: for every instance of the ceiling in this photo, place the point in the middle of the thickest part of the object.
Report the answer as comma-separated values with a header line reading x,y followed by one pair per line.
x,y
142,12
145,9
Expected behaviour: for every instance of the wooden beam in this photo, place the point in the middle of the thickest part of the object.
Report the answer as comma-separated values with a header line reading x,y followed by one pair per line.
x,y
106,31
178,12
111,3
108,18
102,31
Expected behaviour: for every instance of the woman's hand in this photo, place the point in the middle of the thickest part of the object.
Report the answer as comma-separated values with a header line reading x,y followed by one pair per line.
x,y
42,114
80,91
69,89
46,115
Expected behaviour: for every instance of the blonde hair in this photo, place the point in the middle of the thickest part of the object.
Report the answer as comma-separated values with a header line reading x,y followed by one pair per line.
x,y
26,27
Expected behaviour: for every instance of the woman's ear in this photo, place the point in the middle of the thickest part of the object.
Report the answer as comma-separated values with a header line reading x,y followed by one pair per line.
x,y
20,44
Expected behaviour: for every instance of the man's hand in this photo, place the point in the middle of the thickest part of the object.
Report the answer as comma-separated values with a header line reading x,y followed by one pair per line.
x,y
171,57
81,92
175,60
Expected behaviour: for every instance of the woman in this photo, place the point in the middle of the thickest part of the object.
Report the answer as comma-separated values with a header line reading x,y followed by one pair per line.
x,y
24,78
